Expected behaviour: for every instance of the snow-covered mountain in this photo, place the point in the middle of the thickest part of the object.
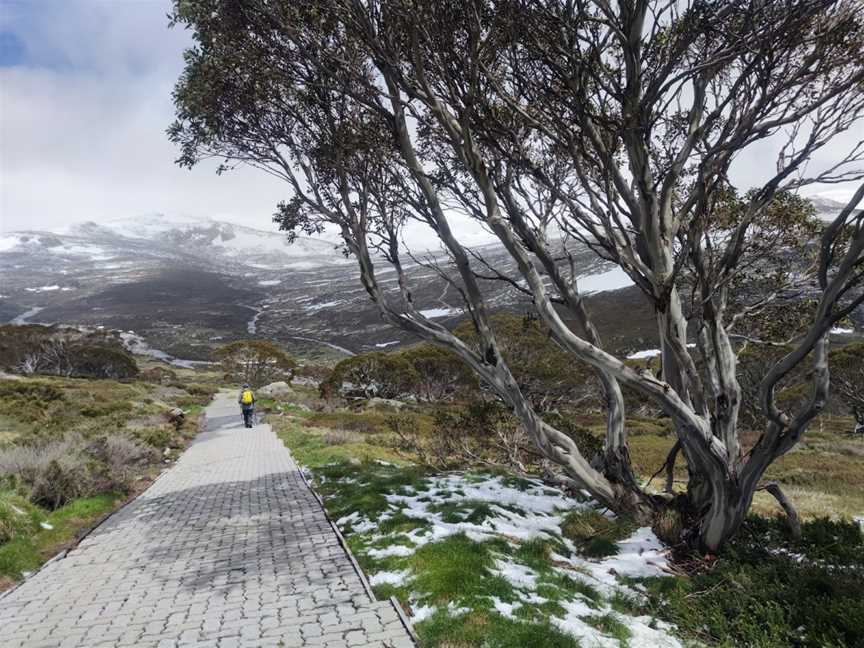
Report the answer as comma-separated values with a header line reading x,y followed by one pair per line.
x,y
826,208
187,284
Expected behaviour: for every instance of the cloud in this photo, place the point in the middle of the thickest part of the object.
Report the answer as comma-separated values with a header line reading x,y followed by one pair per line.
x,y
85,105
86,98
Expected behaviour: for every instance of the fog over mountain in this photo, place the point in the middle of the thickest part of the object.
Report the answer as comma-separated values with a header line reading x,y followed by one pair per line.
x,y
186,285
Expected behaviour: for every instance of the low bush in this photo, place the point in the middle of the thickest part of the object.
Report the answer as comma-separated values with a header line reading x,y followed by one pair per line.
x,y
59,471
157,436
122,457
340,437
30,401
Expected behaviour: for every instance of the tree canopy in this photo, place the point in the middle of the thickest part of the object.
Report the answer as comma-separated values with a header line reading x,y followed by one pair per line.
x,y
257,362
611,126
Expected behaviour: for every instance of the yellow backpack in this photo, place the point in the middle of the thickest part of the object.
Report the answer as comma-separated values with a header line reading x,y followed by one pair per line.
x,y
247,397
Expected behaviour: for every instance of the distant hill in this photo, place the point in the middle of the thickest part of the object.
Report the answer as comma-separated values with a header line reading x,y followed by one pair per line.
x,y
186,285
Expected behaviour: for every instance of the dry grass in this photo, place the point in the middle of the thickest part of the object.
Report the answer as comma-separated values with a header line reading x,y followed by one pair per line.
x,y
822,476
341,437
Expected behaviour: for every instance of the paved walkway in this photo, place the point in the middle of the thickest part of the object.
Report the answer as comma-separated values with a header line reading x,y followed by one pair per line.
x,y
228,548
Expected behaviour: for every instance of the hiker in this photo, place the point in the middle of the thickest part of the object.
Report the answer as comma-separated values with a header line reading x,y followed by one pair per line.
x,y
246,399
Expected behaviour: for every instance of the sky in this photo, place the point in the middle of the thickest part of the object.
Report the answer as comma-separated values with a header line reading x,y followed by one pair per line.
x,y
85,98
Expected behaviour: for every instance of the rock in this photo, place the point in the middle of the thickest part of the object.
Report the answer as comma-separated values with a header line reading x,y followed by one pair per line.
x,y
385,403
276,390
176,416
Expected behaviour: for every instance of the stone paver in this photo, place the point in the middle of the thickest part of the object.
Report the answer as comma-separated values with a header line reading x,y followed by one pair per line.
x,y
227,548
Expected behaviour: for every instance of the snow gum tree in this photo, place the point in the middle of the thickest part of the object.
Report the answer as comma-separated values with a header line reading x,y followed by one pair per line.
x,y
616,126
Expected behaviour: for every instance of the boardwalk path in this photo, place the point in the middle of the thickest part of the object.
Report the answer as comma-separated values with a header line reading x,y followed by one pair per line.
x,y
228,548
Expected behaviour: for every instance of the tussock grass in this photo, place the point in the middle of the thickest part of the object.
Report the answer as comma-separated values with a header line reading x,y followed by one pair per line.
x,y
310,447
71,449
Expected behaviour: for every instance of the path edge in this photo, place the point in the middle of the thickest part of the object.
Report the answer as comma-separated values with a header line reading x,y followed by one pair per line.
x,y
344,544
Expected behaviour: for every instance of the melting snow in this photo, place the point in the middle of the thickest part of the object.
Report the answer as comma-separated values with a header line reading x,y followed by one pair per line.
x,y
391,550
422,612
518,575
839,330
503,608
390,578
613,279
432,313
647,353
43,289
521,514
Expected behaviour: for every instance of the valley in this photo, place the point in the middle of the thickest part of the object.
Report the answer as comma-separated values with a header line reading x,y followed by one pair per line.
x,y
187,286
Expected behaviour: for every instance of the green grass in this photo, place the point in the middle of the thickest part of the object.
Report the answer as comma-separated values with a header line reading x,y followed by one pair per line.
x,y
595,534
758,595
610,625
29,549
483,628
310,447
750,597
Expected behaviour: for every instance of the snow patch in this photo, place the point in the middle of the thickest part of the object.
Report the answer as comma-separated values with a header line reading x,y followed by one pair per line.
x,y
43,289
9,242
316,307
613,279
389,578
518,575
270,282
647,353
391,550
505,609
432,313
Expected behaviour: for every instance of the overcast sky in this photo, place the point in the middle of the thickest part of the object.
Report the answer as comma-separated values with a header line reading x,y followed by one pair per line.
x,y
85,98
